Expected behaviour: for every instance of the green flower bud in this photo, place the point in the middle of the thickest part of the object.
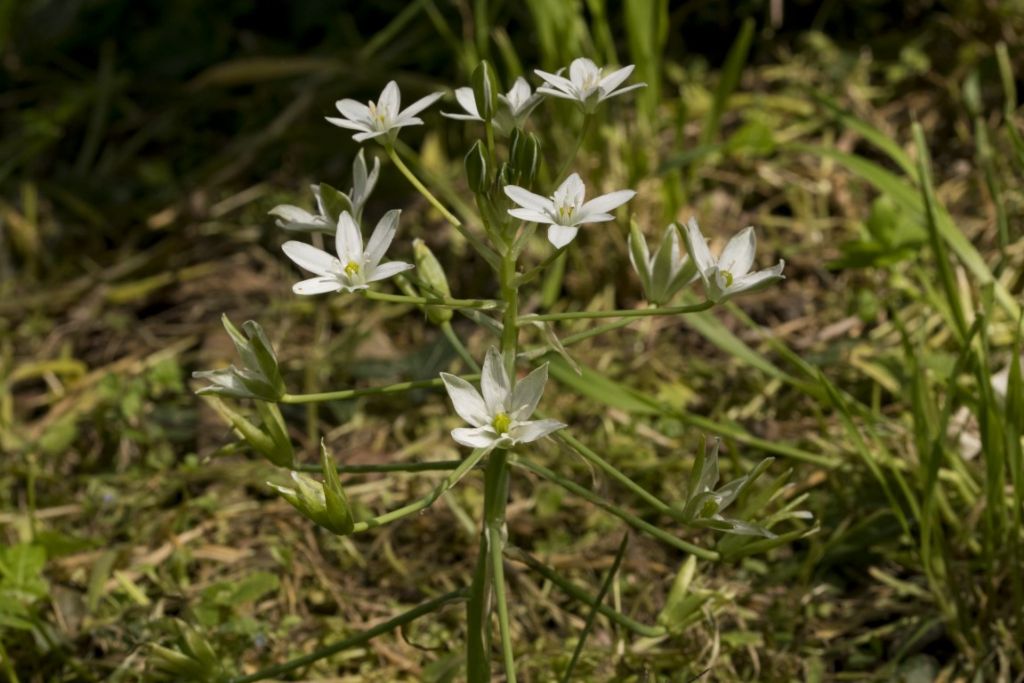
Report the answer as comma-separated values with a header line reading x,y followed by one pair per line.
x,y
259,377
271,442
195,660
477,171
525,156
682,605
334,202
337,511
485,90
323,503
430,271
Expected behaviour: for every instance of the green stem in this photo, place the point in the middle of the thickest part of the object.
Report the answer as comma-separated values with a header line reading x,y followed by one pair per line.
x,y
435,466
460,348
619,313
496,499
608,506
531,274
411,177
592,617
345,394
584,129
440,302
359,639
593,458
426,501
583,596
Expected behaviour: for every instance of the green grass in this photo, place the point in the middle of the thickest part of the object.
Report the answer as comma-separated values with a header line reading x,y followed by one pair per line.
x,y
133,213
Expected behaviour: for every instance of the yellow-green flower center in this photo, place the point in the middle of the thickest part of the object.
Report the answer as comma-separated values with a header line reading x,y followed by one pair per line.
x,y
728,278
351,268
501,423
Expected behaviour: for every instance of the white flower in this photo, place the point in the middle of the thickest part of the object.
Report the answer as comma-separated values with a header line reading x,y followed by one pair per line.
x,y
664,273
384,116
730,274
354,268
586,83
295,219
500,417
565,211
518,103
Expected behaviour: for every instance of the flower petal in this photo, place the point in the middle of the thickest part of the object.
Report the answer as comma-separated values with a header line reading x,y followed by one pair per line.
x,y
293,214
351,125
386,270
348,240
527,392
525,432
353,110
557,93
559,83
615,78
466,400
381,239
466,100
308,257
494,383
561,235
390,101
738,255
607,202
369,135
317,285
527,199
570,192
622,91
531,215
581,70
420,104
697,247
755,281
479,437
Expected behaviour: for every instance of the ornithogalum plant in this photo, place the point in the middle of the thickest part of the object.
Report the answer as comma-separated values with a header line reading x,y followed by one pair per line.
x,y
500,401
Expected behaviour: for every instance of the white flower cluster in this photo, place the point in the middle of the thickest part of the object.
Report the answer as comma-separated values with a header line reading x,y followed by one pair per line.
x,y
499,414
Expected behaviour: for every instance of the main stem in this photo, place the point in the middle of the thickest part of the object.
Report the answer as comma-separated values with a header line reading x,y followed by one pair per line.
x,y
489,561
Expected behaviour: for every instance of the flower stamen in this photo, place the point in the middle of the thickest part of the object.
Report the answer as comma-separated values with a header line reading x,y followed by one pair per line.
x,y
501,423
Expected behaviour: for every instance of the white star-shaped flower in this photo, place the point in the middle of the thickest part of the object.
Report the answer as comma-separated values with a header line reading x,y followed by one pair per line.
x,y
354,268
565,211
729,274
518,103
587,83
500,417
383,117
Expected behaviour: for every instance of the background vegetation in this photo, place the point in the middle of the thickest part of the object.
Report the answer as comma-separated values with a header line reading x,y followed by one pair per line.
x,y
144,142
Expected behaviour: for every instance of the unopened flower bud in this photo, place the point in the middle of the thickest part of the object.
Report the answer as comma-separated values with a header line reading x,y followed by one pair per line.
x,y
477,171
485,90
430,272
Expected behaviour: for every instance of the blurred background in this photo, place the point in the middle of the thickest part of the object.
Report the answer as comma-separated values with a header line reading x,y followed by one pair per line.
x,y
141,146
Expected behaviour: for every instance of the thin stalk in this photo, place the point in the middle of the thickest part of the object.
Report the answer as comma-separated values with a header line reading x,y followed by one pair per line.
x,y
567,164
346,394
426,501
440,302
612,508
420,187
12,677
359,639
496,500
436,466
590,456
592,617
531,274
460,348
489,254
583,596
619,313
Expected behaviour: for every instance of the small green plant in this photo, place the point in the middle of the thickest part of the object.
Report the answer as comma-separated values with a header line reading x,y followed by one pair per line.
x,y
506,428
